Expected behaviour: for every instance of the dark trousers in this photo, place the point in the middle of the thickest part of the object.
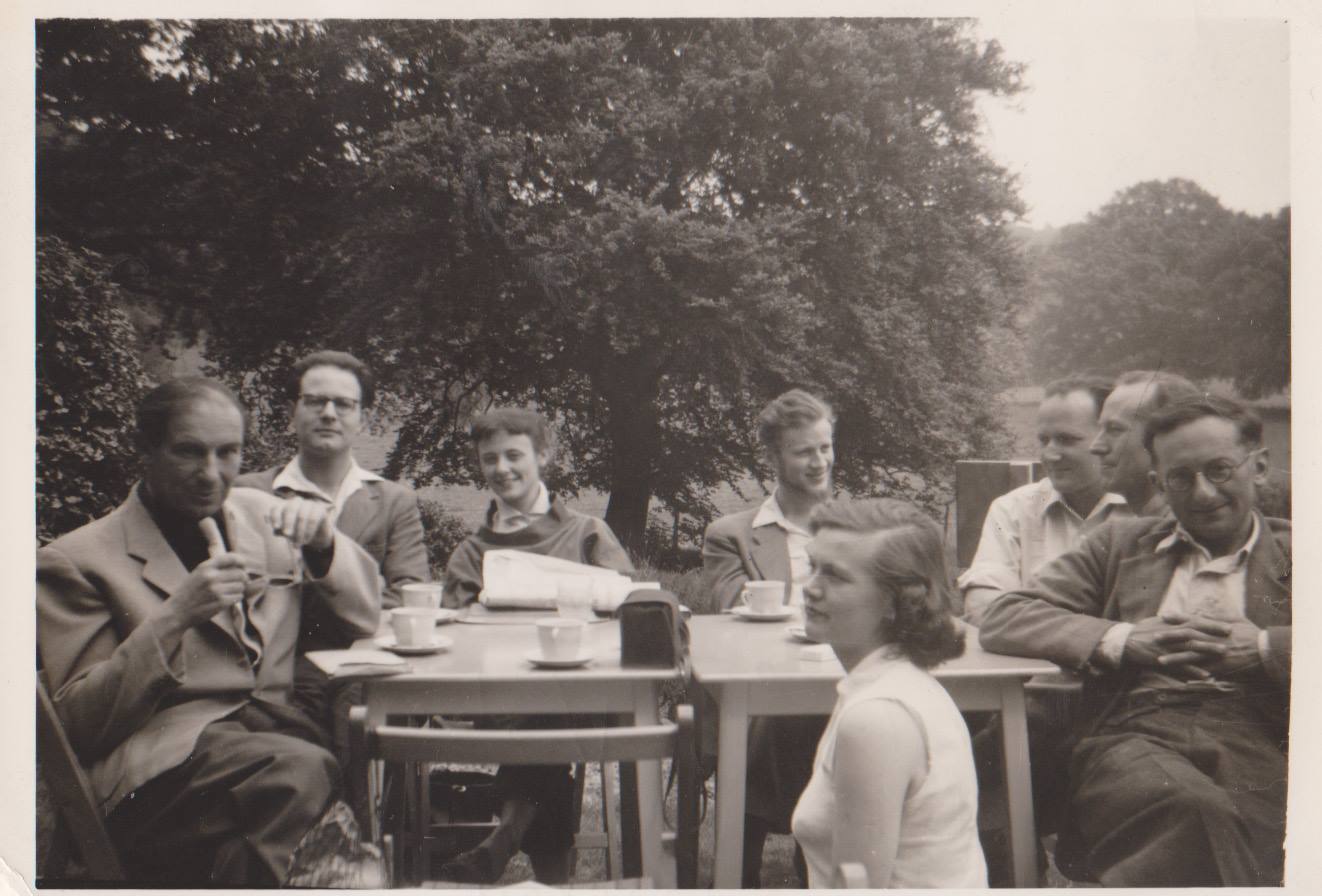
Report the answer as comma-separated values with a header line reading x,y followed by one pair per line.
x,y
234,812
549,788
1181,790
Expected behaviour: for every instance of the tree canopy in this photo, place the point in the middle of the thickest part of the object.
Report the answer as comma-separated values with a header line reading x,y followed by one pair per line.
x,y
646,227
1164,276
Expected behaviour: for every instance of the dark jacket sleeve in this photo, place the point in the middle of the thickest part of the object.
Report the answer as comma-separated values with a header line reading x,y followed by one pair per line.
x,y
463,575
723,570
1056,616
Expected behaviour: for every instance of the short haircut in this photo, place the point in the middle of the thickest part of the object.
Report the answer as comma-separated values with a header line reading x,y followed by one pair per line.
x,y
1172,417
1162,388
908,565
790,410
1095,387
159,406
515,422
342,360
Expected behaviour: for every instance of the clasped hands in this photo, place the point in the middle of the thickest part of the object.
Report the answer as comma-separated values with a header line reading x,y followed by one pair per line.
x,y
1194,646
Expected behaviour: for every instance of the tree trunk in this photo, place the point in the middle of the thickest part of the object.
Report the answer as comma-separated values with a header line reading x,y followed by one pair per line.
x,y
635,434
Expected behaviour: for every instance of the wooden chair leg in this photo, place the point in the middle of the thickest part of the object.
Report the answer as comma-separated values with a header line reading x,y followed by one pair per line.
x,y
609,810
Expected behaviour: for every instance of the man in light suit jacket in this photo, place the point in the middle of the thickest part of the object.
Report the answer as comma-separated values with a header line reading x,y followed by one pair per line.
x,y
1181,625
769,543
329,391
169,647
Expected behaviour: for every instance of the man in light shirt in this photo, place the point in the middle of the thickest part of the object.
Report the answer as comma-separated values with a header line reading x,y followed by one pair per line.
x,y
1181,624
769,542
330,391
1037,522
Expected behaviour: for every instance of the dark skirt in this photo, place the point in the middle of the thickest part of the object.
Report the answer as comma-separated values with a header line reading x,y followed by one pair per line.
x,y
780,757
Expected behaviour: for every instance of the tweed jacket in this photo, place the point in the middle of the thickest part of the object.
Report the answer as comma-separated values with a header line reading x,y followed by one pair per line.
x,y
131,711
383,517
733,553
1116,575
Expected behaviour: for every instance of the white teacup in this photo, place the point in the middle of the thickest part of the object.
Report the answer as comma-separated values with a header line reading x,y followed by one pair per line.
x,y
560,639
414,626
764,597
421,594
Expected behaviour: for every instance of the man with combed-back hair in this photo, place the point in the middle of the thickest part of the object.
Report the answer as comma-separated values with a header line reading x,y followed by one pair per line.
x,y
1136,396
1181,625
770,542
170,653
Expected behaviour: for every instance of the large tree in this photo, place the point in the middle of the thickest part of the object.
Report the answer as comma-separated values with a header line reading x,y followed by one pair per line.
x,y
645,227
1164,276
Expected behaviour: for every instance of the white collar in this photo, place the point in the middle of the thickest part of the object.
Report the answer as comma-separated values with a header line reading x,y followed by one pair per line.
x,y
771,514
1181,535
1055,497
293,478
541,506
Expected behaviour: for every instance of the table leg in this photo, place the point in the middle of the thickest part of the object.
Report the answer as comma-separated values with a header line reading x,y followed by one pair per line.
x,y
731,770
1018,783
651,820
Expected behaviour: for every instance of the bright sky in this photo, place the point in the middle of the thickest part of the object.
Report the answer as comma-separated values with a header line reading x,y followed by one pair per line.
x,y
1111,102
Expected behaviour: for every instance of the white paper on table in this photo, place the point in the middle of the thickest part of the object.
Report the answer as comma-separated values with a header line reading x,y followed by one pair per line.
x,y
512,578
364,662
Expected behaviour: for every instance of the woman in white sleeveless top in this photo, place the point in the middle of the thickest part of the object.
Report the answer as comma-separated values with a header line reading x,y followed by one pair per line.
x,y
893,785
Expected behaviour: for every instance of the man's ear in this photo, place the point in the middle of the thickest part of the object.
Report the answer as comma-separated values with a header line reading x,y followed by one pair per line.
x,y
1261,465
1157,482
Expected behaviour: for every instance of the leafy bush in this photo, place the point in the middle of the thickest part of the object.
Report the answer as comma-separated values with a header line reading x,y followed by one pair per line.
x,y
89,381
442,531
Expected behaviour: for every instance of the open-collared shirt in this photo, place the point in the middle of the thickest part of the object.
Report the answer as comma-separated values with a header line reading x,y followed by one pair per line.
x,y
1202,585
511,519
1025,529
292,480
796,542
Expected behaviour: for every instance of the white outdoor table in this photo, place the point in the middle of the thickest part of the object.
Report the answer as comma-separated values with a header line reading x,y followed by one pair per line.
x,y
756,669
487,671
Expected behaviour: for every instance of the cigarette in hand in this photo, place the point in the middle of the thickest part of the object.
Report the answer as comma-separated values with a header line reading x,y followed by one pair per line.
x,y
211,532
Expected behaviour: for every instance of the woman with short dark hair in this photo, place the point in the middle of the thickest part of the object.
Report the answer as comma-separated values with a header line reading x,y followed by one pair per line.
x,y
893,784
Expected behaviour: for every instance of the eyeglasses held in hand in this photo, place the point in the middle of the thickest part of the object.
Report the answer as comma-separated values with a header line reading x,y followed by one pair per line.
x,y
317,402
1217,472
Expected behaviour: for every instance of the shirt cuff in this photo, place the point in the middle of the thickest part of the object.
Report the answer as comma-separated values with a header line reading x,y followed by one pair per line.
x,y
1111,649
1264,646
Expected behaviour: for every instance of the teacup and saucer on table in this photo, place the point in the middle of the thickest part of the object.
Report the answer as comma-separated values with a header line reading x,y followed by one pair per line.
x,y
413,632
426,596
560,644
763,601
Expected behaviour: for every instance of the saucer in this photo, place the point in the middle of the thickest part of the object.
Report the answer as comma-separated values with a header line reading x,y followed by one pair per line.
x,y
542,662
799,633
776,616
439,642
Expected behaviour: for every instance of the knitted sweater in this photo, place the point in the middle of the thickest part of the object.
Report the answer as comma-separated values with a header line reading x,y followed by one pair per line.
x,y
562,533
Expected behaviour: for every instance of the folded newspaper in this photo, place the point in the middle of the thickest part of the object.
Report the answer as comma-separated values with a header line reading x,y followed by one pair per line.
x,y
522,580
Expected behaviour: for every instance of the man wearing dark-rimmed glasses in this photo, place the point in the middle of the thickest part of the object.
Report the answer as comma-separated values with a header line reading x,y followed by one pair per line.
x,y
329,391
1182,625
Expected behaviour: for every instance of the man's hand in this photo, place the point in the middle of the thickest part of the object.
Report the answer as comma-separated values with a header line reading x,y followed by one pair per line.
x,y
305,523
1236,650
1176,643
213,585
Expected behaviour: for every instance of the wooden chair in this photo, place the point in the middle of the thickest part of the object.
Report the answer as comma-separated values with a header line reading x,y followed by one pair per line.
x,y
83,826
394,744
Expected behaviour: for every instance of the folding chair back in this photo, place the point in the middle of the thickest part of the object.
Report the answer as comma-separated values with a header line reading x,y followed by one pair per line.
x,y
72,792
554,747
